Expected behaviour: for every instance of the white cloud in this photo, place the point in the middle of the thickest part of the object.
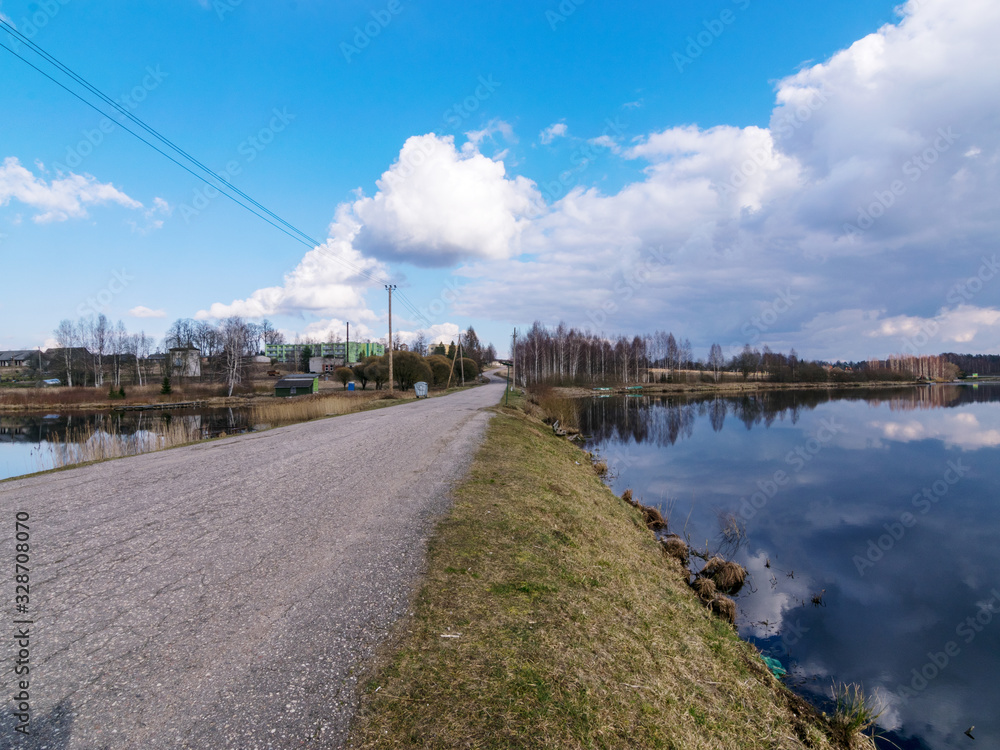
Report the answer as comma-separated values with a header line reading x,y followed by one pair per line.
x,y
437,205
553,131
733,234
606,141
962,430
440,333
153,216
476,137
895,134
142,311
329,281
61,199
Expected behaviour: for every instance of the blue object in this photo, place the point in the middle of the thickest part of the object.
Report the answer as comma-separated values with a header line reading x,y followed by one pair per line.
x,y
774,665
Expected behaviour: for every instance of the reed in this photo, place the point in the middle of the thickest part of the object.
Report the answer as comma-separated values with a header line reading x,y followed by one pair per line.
x,y
303,408
99,443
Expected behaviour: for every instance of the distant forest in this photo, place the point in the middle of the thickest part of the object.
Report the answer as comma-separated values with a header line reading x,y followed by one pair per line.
x,y
984,364
568,356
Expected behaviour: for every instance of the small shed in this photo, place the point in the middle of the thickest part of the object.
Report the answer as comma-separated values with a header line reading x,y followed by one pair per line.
x,y
297,385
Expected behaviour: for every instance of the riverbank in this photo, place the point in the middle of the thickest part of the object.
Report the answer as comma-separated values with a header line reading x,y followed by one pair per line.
x,y
165,428
62,399
549,617
726,388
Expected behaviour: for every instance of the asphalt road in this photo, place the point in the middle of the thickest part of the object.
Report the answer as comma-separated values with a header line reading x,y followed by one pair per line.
x,y
226,595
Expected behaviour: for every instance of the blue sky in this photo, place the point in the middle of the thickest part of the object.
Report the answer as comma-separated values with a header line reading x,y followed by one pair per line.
x,y
823,177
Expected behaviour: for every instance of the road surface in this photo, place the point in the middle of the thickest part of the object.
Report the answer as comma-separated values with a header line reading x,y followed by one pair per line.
x,y
225,594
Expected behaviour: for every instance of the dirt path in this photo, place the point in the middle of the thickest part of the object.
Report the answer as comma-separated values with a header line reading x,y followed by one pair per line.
x,y
224,595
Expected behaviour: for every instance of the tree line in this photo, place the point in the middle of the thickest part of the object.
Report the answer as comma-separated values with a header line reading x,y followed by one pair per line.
x,y
93,351
568,356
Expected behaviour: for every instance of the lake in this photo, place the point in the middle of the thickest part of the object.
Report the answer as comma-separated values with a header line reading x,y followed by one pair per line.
x,y
26,440
871,521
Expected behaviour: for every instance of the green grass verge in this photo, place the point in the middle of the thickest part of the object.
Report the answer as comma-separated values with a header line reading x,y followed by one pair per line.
x,y
550,618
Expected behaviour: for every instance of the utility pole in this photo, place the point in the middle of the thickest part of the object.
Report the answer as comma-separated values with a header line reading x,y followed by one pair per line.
x,y
347,347
389,288
461,364
513,360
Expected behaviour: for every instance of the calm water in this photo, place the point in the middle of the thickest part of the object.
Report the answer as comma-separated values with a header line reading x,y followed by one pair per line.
x,y
25,440
884,506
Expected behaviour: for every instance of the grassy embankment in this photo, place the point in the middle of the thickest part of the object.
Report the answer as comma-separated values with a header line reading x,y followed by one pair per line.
x,y
551,618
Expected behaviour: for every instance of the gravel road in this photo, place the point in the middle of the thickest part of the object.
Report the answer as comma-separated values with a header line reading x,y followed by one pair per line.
x,y
225,595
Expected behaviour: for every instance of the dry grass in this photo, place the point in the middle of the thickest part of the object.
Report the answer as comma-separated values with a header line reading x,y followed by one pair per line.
x,y
556,406
675,547
705,588
278,411
724,607
855,713
91,443
728,576
653,518
571,628
27,399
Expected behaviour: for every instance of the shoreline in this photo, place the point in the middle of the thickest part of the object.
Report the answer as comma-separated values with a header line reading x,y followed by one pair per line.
x,y
657,389
549,615
647,389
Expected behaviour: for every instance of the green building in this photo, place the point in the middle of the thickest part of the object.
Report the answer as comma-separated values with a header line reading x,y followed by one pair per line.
x,y
296,385
356,351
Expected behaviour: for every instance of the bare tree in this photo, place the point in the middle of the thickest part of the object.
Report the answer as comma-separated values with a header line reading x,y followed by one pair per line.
x,y
420,344
672,353
235,343
271,336
118,348
66,336
716,359
98,335
206,337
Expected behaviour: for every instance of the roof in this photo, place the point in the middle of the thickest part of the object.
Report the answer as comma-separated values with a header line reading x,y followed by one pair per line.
x,y
16,354
290,381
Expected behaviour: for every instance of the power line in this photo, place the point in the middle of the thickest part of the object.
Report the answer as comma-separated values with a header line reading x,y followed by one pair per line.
x,y
153,132
152,146
287,228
